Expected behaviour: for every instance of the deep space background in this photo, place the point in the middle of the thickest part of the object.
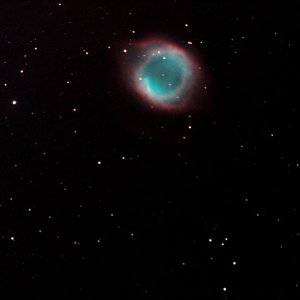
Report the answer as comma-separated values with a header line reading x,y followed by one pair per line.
x,y
103,197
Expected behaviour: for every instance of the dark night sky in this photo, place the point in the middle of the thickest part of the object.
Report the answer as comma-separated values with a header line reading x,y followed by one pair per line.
x,y
103,197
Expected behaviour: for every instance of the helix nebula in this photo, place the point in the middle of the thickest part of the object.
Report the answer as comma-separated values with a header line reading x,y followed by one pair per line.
x,y
163,74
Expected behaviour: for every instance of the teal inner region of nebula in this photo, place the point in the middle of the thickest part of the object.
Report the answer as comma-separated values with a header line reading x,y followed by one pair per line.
x,y
164,74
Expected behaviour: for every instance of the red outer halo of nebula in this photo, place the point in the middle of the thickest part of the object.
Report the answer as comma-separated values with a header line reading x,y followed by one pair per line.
x,y
137,61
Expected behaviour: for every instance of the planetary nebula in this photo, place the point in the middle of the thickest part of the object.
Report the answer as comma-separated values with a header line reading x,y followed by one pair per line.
x,y
163,74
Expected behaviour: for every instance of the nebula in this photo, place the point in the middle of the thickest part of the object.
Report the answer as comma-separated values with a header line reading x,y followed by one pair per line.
x,y
163,74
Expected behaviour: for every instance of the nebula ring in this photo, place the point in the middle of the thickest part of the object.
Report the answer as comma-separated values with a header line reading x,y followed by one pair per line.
x,y
162,74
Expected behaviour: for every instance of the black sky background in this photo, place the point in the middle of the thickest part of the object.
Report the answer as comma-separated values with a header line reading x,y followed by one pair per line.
x,y
139,224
